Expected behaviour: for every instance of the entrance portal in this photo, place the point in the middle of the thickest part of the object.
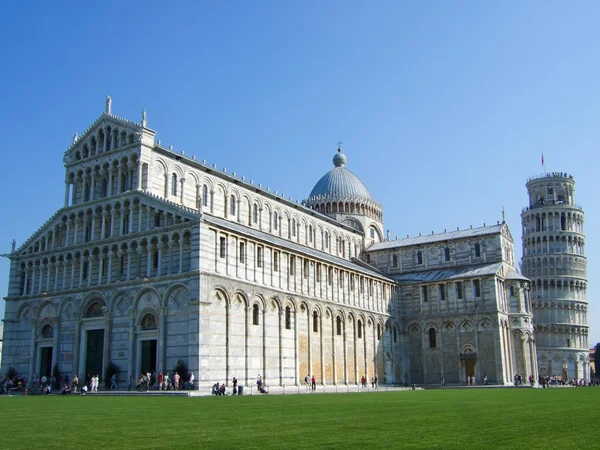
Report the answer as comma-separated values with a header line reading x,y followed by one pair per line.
x,y
469,368
46,362
94,352
148,356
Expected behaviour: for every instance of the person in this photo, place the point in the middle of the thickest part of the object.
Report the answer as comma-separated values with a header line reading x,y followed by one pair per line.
x,y
222,389
307,382
176,379
166,382
66,390
258,381
314,383
44,380
84,389
443,382
485,379
234,385
113,382
372,382
376,382
75,383
161,378
263,389
191,377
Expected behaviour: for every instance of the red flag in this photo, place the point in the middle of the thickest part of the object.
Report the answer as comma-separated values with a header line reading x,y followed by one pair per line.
x,y
542,159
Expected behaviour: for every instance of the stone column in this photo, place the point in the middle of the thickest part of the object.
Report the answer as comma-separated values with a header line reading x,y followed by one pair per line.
x,y
129,252
132,355
76,232
56,270
162,345
344,337
67,184
139,227
101,263
76,340
110,181
139,175
280,324
111,255
296,367
182,188
55,342
149,248
322,350
181,241
355,351
32,348
49,267
107,341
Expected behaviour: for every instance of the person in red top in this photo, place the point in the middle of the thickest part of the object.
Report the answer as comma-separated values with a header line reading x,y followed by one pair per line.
x,y
160,381
314,383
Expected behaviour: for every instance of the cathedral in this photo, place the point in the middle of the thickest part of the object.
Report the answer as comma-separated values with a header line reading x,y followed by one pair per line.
x,y
156,257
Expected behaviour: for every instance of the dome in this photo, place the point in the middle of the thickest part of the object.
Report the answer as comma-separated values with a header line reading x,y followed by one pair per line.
x,y
340,184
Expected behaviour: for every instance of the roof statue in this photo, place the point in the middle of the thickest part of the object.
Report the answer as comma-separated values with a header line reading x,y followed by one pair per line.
x,y
144,119
75,137
13,246
108,105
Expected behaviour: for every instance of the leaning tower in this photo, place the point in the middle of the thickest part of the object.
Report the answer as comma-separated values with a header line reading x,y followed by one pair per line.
x,y
554,260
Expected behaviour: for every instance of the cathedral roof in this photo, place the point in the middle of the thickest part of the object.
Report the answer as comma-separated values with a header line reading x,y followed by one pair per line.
x,y
455,273
431,238
340,184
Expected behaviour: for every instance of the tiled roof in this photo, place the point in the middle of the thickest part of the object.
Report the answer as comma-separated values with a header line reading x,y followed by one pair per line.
x,y
430,238
431,276
277,241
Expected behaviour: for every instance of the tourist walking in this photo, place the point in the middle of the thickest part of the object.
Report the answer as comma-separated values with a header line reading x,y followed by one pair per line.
x,y
113,382
75,383
235,390
191,381
176,379
307,382
314,383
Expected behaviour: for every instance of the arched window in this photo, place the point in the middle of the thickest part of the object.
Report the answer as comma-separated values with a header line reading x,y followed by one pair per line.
x,y
338,327
232,205
275,220
149,322
310,233
395,335
255,314
327,239
204,195
432,343
315,322
288,318
255,213
359,329
47,331
294,227
378,331
511,291
94,310
174,184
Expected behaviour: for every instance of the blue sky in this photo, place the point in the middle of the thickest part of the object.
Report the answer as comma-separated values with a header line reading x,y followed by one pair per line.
x,y
443,108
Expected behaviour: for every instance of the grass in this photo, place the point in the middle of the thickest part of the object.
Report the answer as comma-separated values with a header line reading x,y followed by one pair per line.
x,y
434,419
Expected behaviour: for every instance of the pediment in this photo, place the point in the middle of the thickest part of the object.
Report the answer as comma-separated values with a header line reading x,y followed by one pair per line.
x,y
118,132
506,233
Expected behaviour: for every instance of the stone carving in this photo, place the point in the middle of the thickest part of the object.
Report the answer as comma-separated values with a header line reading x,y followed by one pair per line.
x,y
108,109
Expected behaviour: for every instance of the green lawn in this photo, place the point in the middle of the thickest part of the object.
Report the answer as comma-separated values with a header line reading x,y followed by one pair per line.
x,y
443,419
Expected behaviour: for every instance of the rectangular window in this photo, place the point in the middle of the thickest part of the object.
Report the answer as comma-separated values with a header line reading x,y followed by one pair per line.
x,y
292,265
222,243
419,257
318,273
306,269
242,253
341,274
276,261
459,290
315,322
259,256
352,282
424,293
330,276
477,250
85,270
442,291
157,220
371,288
447,254
155,260
477,288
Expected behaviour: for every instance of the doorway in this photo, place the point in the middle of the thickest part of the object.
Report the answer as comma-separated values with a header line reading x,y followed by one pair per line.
x,y
148,354
46,362
470,368
94,352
